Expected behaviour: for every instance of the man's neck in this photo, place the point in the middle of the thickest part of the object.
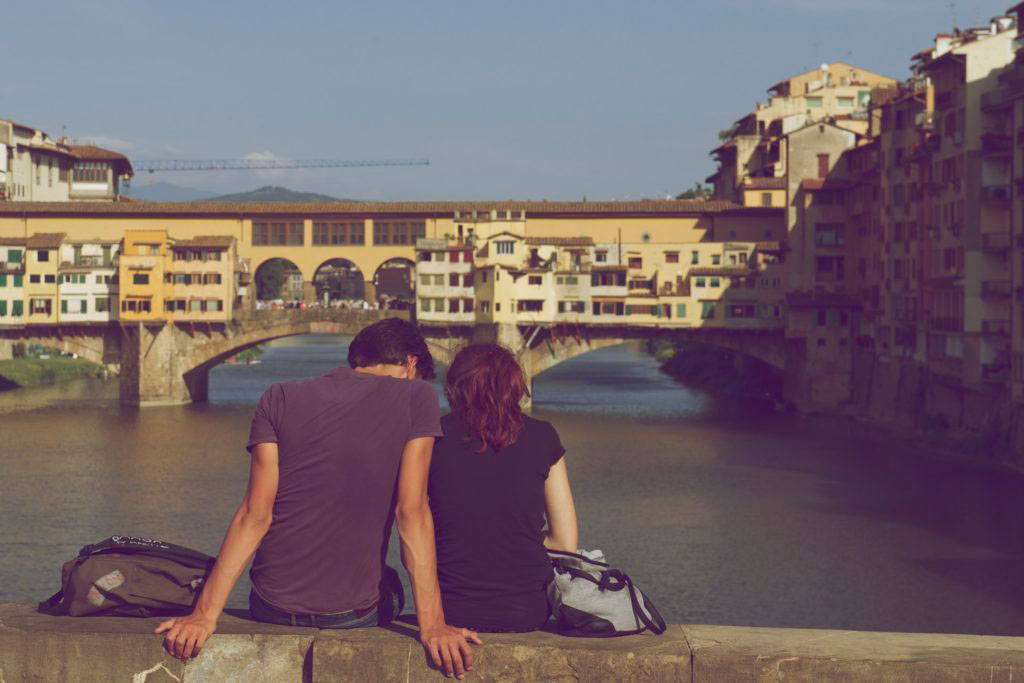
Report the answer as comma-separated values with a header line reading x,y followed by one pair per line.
x,y
382,370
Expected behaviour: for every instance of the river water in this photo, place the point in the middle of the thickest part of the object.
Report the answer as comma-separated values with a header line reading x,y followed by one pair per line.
x,y
720,518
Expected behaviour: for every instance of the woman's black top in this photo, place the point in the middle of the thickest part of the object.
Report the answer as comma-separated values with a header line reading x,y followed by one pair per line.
x,y
489,519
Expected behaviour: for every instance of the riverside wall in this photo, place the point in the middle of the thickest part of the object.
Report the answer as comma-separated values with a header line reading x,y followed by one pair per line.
x,y
35,647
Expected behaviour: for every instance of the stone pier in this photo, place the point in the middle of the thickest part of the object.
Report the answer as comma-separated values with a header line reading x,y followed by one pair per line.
x,y
34,647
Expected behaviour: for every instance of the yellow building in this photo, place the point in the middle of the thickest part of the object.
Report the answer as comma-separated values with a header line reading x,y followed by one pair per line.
x,y
42,267
144,260
201,283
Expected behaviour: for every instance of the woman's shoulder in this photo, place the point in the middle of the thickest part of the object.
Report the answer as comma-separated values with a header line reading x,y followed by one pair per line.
x,y
538,428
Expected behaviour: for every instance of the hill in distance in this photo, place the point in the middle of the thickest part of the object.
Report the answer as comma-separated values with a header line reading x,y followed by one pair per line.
x,y
274,193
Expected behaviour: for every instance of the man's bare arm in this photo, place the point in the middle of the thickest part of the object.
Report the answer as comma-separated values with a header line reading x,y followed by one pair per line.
x,y
187,635
447,645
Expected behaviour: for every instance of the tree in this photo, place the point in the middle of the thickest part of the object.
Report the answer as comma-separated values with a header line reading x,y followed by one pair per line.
x,y
698,191
270,278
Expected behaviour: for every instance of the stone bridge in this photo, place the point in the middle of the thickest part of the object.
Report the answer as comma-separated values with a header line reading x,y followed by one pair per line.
x,y
167,363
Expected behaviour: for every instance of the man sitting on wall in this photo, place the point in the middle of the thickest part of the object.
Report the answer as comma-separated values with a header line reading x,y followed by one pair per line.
x,y
326,455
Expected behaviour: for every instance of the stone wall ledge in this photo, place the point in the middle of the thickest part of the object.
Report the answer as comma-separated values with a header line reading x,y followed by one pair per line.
x,y
36,647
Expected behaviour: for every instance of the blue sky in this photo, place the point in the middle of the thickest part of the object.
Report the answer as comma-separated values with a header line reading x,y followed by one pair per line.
x,y
555,99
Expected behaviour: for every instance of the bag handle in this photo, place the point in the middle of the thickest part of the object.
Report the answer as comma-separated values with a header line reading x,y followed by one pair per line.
x,y
576,556
655,622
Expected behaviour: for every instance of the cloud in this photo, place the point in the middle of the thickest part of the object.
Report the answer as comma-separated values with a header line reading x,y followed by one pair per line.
x,y
266,155
107,141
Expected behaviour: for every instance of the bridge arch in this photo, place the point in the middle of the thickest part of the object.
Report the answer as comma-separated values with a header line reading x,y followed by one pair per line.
x,y
339,278
395,278
279,278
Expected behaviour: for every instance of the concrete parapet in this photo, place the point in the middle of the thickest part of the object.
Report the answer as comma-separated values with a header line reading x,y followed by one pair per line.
x,y
35,647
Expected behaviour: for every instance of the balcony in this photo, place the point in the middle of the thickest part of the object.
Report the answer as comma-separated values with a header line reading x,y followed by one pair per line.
x,y
924,120
995,193
995,328
996,144
996,289
996,241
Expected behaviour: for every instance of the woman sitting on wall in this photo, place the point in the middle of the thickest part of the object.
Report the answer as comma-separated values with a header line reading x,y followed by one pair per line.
x,y
494,477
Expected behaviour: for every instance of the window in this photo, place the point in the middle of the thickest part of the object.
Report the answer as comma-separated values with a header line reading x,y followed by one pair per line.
x,y
34,279
505,247
846,102
3,280
680,310
338,233
91,172
497,307
17,307
530,305
700,282
467,305
766,199
211,278
386,232
536,279
40,306
716,259
571,307
813,102
694,258
50,279
278,234
740,311
483,276
42,255
102,304
829,235
3,308
453,305
140,278
636,262
822,165
485,306
453,279
715,282
453,256
707,310
601,256
14,255
671,257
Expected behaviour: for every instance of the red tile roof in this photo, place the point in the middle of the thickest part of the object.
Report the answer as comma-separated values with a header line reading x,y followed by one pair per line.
x,y
45,240
93,153
12,241
440,209
826,184
207,241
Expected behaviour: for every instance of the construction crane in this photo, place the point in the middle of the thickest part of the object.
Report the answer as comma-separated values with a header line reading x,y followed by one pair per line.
x,y
161,165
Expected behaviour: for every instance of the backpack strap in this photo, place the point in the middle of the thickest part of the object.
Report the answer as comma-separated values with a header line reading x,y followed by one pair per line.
x,y
146,546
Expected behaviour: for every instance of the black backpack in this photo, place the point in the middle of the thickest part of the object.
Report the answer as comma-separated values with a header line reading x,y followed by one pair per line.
x,y
130,576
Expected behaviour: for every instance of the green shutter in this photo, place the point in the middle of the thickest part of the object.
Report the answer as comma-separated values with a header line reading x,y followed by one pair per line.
x,y
680,310
3,308
629,309
63,305
3,280
14,255
17,308
17,280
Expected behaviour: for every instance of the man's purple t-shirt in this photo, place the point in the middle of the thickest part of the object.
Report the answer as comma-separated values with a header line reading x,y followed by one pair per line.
x,y
340,439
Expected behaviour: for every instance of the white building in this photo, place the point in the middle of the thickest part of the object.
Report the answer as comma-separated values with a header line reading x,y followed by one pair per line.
x,y
36,168
88,281
444,281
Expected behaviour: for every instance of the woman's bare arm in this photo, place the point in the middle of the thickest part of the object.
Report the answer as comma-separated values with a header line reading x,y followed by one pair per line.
x,y
561,511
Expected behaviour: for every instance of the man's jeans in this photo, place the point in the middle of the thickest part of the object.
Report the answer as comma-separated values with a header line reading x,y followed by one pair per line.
x,y
392,600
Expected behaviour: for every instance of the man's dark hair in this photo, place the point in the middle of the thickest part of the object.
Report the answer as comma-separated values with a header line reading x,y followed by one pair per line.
x,y
390,342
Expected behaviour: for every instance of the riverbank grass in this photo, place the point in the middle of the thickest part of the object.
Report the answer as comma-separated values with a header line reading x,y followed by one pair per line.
x,y
31,372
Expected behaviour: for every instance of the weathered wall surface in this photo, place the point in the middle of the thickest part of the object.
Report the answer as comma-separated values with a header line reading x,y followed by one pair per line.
x,y
35,647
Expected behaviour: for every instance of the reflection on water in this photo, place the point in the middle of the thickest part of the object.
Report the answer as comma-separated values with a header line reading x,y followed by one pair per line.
x,y
774,521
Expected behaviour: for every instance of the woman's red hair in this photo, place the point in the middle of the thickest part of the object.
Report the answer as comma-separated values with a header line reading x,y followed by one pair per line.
x,y
485,384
